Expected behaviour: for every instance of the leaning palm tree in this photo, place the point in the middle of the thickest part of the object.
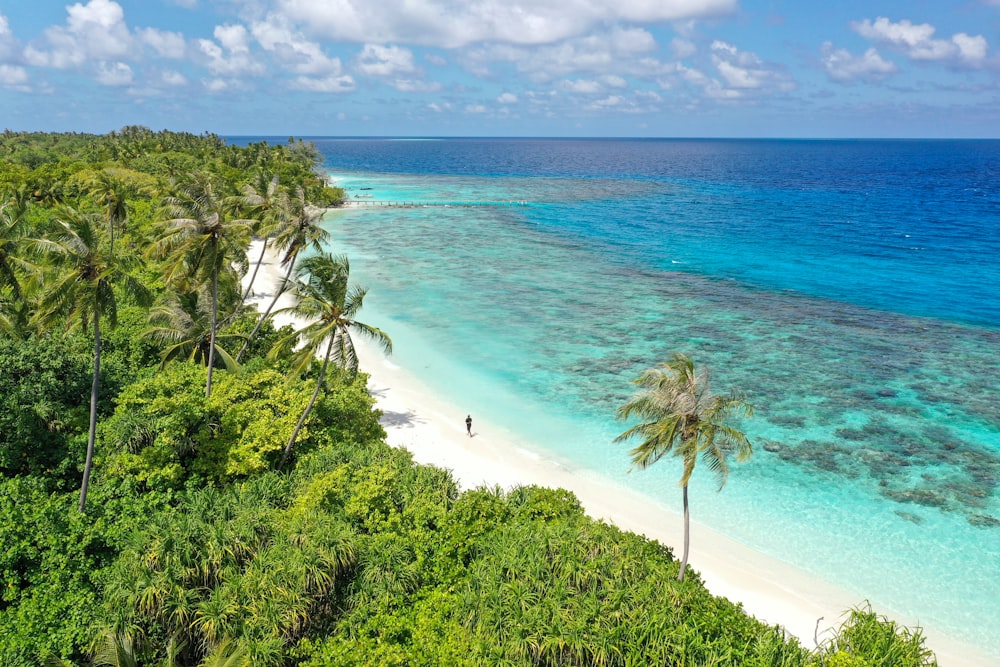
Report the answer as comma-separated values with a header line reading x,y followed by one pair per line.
x,y
324,299
81,289
201,242
681,416
297,230
260,198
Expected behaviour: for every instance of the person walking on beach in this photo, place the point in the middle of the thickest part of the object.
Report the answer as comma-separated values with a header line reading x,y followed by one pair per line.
x,y
468,424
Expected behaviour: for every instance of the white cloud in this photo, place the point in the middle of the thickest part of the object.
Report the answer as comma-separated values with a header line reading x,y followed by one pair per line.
x,y
93,32
166,44
608,53
917,41
233,57
114,74
682,48
580,86
842,66
293,50
610,101
216,85
329,84
743,71
456,23
12,76
385,61
415,86
8,44
475,108
507,98
173,78
435,59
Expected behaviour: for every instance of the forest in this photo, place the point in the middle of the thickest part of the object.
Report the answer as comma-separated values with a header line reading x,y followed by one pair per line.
x,y
182,483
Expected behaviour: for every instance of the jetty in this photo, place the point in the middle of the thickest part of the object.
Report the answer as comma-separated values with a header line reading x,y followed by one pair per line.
x,y
423,203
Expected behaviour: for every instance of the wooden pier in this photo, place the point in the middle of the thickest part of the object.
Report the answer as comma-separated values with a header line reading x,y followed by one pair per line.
x,y
422,203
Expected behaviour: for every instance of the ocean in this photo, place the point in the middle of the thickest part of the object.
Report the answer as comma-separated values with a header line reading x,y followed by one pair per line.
x,y
851,289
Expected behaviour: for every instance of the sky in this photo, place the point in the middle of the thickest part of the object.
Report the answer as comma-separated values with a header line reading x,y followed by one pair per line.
x,y
638,68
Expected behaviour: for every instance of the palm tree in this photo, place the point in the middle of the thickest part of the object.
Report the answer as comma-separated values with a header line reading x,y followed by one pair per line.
x,y
112,188
13,221
260,197
297,231
681,416
82,289
13,231
201,242
182,322
324,299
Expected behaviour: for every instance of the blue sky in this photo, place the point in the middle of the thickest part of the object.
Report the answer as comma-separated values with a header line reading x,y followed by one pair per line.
x,y
658,68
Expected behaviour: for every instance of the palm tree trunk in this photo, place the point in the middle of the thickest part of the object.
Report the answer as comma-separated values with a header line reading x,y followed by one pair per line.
x,y
687,535
279,290
93,411
312,401
211,343
256,268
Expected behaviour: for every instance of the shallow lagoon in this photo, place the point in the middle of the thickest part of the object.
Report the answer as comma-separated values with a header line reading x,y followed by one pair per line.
x,y
877,432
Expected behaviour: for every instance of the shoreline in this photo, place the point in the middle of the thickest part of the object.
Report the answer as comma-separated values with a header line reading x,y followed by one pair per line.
x,y
433,430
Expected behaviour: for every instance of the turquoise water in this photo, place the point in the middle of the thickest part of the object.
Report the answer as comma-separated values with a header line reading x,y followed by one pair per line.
x,y
877,433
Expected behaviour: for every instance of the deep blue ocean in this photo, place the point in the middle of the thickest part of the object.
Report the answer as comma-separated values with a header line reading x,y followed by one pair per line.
x,y
850,288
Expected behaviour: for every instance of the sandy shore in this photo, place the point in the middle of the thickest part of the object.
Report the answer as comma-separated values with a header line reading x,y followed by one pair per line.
x,y
434,432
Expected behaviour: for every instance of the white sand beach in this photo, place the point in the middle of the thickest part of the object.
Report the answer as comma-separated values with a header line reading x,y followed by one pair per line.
x,y
434,432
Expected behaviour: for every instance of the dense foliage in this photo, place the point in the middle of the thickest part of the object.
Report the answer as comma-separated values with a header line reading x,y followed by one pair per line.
x,y
194,548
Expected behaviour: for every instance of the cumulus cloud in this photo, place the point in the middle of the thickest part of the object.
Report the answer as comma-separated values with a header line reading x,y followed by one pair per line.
x,y
12,76
385,61
580,86
293,50
165,44
456,23
231,56
415,86
683,48
114,74
917,41
475,108
614,51
328,84
744,71
8,44
507,98
173,78
841,65
95,31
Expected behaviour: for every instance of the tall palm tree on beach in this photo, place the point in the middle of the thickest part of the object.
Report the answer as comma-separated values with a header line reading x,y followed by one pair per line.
x,y
82,289
200,242
260,199
297,230
681,416
325,300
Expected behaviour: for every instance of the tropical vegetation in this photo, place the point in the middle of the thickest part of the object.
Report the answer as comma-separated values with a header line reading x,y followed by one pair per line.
x,y
145,516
